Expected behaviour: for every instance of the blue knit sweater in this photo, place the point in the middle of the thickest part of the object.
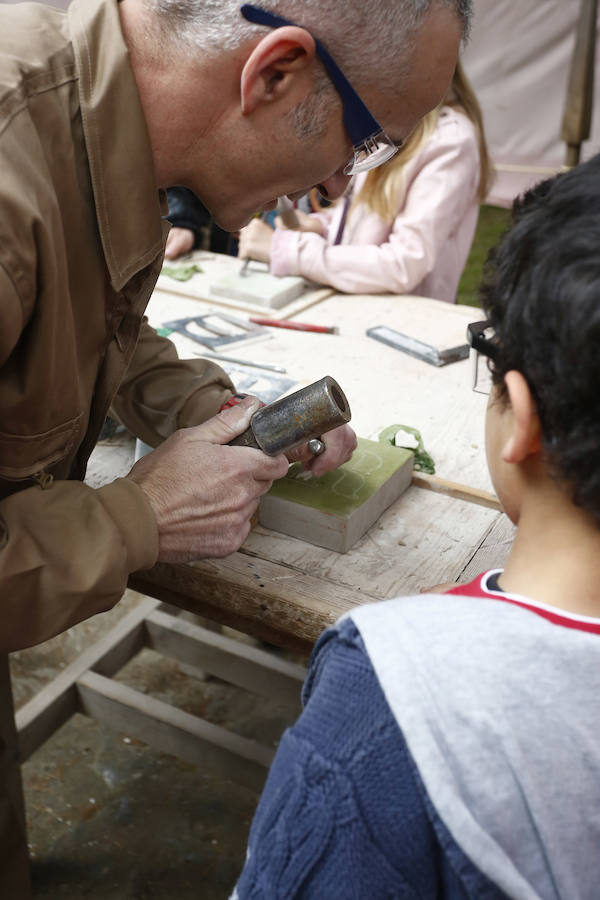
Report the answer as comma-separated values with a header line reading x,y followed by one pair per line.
x,y
344,813
449,747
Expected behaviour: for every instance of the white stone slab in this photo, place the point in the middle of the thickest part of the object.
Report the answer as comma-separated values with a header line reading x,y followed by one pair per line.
x,y
259,288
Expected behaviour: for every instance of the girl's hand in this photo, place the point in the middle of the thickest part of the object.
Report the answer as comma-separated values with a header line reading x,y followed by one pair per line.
x,y
255,241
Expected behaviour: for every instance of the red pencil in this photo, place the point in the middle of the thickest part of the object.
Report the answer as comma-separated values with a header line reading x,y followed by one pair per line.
x,y
295,326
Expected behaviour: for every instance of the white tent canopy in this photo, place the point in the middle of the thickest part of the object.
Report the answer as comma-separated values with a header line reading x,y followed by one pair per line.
x,y
518,61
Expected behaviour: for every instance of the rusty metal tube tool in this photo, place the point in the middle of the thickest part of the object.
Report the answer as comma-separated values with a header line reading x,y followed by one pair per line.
x,y
296,419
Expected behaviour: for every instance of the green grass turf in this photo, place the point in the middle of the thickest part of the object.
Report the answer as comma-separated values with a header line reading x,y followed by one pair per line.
x,y
493,221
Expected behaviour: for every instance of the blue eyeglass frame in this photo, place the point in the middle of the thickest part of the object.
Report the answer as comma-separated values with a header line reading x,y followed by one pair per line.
x,y
367,136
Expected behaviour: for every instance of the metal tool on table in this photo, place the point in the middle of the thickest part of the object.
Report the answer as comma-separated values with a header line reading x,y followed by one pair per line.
x,y
299,418
419,349
237,361
218,326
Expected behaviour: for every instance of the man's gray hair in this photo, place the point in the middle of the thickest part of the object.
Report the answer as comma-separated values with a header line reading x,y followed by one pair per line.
x,y
367,38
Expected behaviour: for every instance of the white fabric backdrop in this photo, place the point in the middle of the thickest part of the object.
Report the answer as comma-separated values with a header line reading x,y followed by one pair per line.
x,y
518,61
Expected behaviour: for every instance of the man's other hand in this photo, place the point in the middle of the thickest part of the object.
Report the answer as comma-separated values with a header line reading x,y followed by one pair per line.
x,y
202,492
340,444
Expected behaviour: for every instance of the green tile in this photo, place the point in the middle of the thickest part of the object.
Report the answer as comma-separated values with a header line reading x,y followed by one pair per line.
x,y
343,491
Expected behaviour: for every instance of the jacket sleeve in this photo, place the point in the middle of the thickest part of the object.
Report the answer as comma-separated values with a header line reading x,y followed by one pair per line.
x,y
161,393
66,553
443,183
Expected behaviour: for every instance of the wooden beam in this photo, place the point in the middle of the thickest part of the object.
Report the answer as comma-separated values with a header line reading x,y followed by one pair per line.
x,y
173,731
275,602
233,661
577,116
14,861
57,701
456,490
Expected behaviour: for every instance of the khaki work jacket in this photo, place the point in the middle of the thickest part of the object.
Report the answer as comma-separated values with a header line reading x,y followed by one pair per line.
x,y
81,245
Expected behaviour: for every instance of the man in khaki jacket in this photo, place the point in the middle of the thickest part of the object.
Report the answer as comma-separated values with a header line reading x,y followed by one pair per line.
x,y
101,108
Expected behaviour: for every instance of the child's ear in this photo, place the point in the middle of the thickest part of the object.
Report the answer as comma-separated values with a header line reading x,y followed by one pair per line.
x,y
270,69
525,437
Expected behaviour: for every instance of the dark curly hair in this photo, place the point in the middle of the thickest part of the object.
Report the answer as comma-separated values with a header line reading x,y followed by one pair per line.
x,y
541,293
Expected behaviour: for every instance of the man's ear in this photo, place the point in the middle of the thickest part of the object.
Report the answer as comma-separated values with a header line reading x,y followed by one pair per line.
x,y
269,70
525,436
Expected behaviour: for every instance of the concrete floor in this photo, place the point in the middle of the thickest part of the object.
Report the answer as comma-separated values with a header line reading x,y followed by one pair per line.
x,y
109,818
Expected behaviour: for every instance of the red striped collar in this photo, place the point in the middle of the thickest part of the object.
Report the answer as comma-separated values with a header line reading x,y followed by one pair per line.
x,y
479,588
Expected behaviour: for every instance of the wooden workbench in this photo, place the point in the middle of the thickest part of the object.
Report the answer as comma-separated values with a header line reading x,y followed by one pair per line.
x,y
286,591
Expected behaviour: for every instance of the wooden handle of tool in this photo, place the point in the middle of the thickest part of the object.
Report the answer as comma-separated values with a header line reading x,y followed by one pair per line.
x,y
287,213
456,490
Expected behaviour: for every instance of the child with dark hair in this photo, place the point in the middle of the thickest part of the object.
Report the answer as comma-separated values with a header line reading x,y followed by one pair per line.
x,y
541,293
449,745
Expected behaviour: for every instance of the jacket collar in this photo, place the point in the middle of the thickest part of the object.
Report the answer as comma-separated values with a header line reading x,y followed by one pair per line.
x,y
128,203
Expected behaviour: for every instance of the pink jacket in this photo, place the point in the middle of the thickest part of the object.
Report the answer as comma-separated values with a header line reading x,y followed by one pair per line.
x,y
423,251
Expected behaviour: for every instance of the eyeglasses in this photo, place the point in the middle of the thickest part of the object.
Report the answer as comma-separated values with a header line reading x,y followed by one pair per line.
x,y
484,346
371,144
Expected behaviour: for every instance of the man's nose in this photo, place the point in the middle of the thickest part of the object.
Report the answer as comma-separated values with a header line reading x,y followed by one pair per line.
x,y
334,186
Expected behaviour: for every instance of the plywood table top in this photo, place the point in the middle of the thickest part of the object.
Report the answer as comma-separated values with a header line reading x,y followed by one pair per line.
x,y
286,591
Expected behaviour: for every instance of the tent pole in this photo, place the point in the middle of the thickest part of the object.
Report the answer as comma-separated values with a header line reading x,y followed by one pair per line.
x,y
577,116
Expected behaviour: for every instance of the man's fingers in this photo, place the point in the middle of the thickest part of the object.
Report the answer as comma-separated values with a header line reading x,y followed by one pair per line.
x,y
299,454
340,444
227,424
280,470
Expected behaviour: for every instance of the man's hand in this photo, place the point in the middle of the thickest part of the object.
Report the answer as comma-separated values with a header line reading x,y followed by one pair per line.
x,y
340,445
255,241
179,241
203,493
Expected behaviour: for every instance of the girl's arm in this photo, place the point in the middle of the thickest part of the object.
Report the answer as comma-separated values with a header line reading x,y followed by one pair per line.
x,y
443,183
